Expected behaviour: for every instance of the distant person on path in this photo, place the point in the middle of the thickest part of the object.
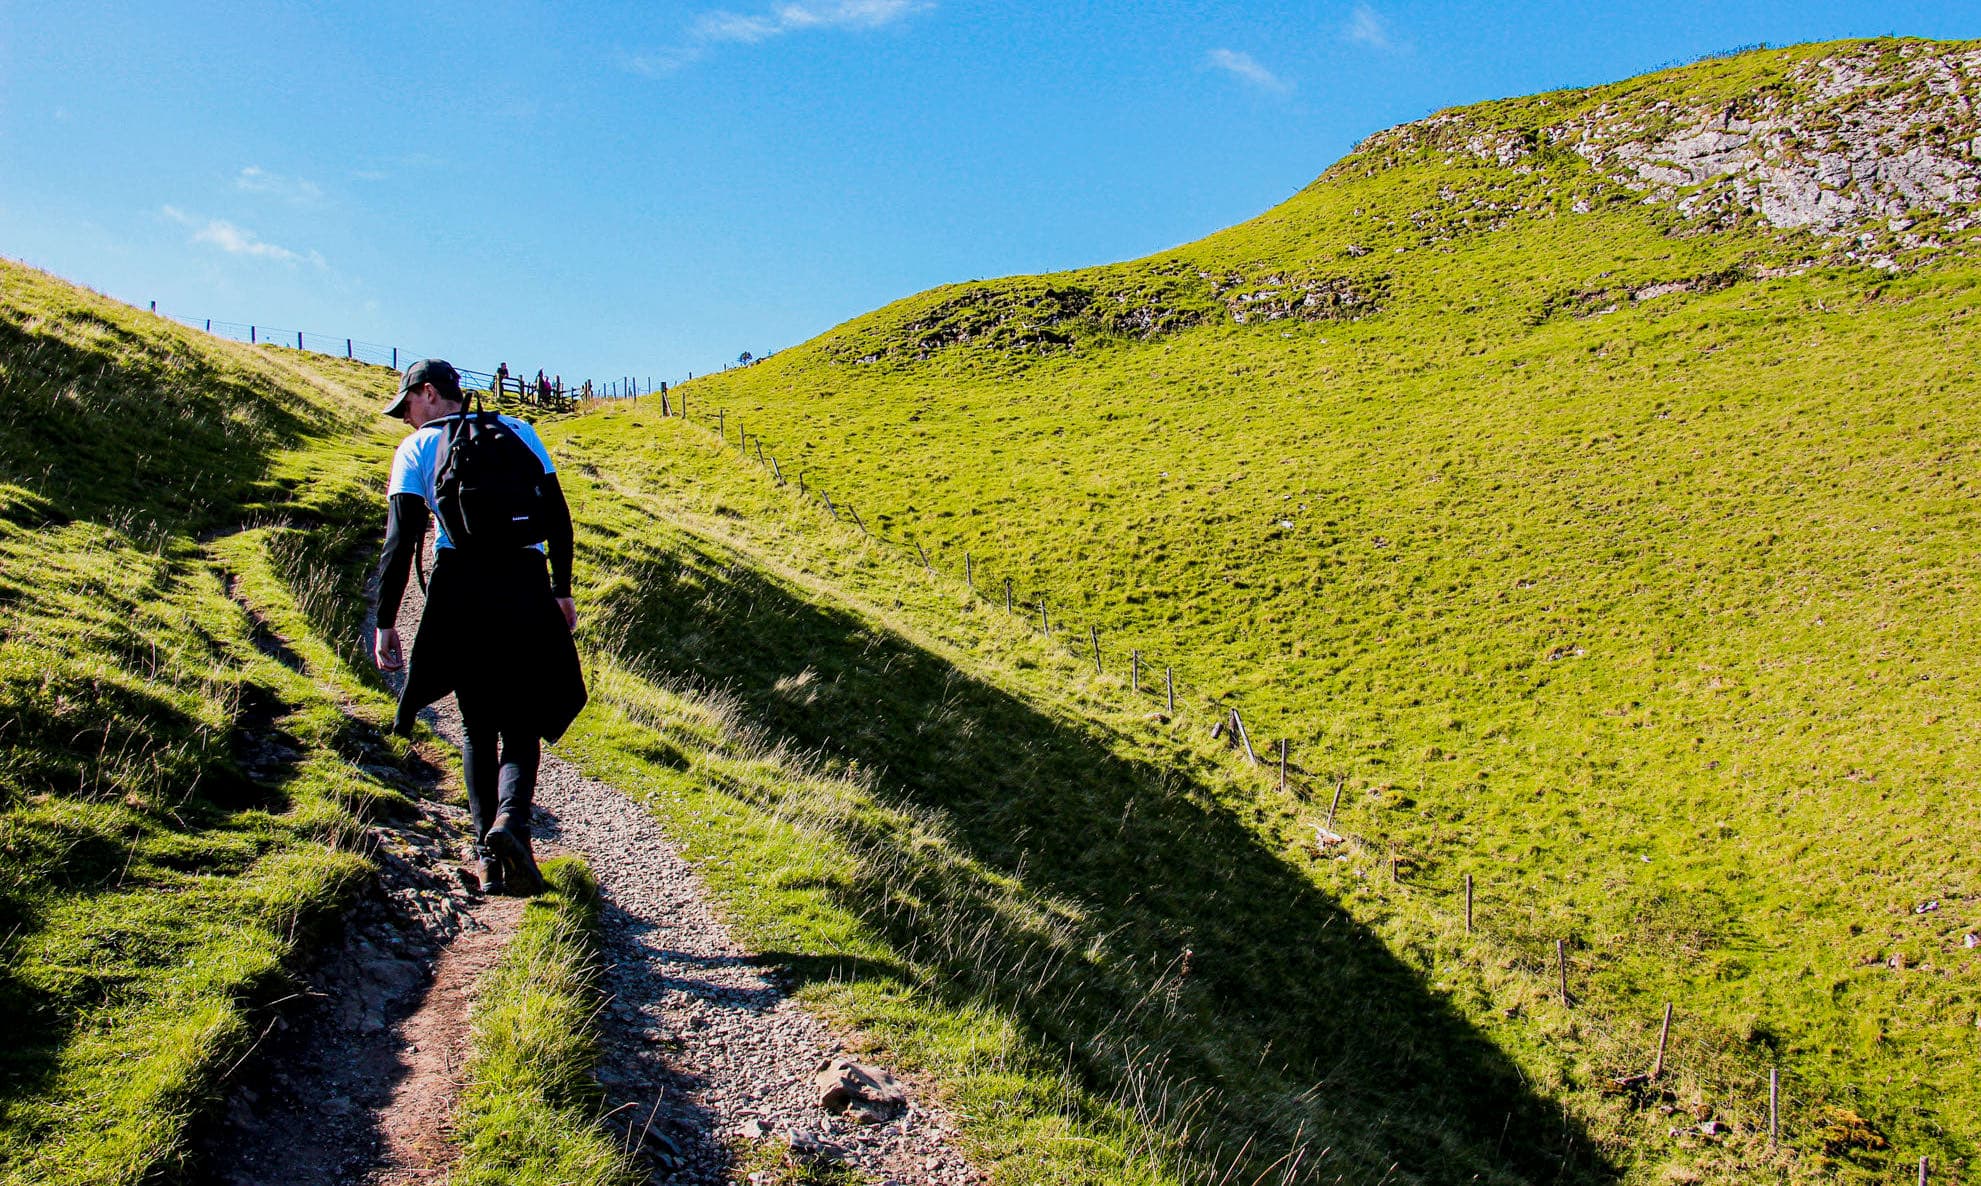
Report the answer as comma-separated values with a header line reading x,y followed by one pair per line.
x,y
496,627
501,378
543,388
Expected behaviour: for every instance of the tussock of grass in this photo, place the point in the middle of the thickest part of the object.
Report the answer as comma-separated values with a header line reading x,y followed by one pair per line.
x,y
529,1108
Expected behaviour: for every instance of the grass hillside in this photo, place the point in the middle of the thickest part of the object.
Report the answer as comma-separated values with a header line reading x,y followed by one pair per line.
x,y
1583,482
184,760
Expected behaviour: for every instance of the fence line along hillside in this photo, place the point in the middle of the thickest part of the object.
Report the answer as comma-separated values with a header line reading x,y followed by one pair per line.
x,y
1640,1068
556,393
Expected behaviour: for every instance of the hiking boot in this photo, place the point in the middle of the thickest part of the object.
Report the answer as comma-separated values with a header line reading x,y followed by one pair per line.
x,y
488,871
518,862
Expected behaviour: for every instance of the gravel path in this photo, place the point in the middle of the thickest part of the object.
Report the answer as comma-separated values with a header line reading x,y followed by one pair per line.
x,y
704,1051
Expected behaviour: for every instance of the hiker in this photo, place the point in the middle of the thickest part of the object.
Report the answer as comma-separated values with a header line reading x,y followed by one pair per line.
x,y
501,378
543,389
496,627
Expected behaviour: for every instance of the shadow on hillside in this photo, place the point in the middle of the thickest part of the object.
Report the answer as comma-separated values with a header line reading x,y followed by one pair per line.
x,y
125,439
1306,1025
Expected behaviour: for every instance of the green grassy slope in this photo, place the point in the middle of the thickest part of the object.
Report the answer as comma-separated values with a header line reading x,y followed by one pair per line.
x,y
182,756
1086,935
1618,558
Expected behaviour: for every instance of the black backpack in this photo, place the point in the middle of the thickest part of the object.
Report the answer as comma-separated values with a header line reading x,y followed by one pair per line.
x,y
488,486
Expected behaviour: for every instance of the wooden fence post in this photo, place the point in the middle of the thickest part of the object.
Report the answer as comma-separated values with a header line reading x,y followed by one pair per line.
x,y
1282,765
969,573
1094,636
1774,1104
1664,1035
776,472
855,512
251,341
299,339
347,347
1169,686
721,424
801,483
1007,595
395,358
1135,670
828,504
1468,903
760,450
925,557
1045,623
1244,739
1338,784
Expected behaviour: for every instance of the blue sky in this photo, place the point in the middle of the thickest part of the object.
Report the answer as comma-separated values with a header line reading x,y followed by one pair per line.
x,y
651,188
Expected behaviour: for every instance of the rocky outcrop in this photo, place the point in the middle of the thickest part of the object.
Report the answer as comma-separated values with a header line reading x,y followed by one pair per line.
x,y
1275,296
1037,317
1874,139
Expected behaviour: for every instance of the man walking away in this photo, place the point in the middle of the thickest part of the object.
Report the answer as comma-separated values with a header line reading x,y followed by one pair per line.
x,y
496,627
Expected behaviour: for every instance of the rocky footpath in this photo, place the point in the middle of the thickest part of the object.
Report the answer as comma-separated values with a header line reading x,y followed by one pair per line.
x,y
707,1059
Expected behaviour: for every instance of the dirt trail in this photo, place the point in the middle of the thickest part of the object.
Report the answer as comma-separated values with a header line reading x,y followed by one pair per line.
x,y
416,1122
704,1052
353,1075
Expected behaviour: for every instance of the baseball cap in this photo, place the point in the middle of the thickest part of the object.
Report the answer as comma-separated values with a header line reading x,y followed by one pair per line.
x,y
437,371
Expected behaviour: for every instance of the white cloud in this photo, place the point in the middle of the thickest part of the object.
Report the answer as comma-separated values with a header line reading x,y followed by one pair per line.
x,y
736,28
256,180
1246,68
238,240
1367,27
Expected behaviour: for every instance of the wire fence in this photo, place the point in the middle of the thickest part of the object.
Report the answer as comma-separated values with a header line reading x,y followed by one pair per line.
x,y
545,390
1722,1063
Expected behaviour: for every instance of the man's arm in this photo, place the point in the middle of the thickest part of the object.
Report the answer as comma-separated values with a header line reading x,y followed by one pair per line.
x,y
405,531
558,541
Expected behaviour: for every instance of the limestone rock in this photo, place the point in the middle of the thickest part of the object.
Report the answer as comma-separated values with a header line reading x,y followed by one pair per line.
x,y
866,1094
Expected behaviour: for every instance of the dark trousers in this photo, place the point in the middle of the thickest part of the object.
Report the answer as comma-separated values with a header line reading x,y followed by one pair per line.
x,y
500,761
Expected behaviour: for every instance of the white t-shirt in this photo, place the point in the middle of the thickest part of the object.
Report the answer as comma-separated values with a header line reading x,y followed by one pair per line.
x,y
417,458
